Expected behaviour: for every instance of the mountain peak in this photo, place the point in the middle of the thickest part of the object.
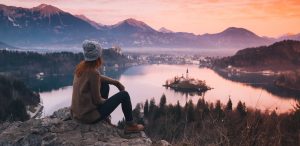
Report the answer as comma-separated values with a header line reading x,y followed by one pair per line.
x,y
47,9
238,31
131,22
134,22
235,29
165,30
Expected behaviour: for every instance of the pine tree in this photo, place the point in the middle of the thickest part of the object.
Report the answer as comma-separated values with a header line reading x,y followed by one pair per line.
x,y
241,108
163,101
146,108
136,112
218,109
178,111
201,104
152,106
229,105
190,111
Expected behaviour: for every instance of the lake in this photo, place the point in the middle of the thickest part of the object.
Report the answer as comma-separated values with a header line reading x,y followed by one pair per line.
x,y
145,82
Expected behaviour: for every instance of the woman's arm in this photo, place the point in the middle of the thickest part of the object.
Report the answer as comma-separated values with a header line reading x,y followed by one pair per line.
x,y
94,79
109,80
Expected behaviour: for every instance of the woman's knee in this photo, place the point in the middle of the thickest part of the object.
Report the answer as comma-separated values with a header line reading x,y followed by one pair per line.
x,y
125,95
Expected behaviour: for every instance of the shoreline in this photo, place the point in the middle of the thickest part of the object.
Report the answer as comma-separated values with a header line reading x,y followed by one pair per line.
x,y
242,71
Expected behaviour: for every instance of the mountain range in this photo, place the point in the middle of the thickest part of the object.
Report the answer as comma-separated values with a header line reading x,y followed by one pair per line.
x,y
48,25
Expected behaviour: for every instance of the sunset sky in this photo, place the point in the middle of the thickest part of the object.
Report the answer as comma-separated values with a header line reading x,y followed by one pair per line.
x,y
264,17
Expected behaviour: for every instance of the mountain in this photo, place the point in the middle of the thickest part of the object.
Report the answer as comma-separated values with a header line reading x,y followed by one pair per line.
x,y
93,23
234,37
46,10
290,37
130,26
165,30
6,46
40,25
46,25
280,56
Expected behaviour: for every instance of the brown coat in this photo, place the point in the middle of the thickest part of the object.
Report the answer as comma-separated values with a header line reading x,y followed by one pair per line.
x,y
86,97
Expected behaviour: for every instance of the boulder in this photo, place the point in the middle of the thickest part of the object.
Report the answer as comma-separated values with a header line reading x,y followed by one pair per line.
x,y
59,129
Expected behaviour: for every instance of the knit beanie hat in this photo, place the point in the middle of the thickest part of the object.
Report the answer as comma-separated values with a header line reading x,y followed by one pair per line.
x,y
91,50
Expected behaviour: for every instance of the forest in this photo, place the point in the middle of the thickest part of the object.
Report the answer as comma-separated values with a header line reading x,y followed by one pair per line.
x,y
207,123
28,64
14,97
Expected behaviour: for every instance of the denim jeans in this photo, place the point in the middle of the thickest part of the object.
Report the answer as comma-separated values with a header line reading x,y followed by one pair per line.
x,y
113,102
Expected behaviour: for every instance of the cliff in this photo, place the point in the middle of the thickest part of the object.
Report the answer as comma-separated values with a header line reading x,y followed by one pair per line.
x,y
60,129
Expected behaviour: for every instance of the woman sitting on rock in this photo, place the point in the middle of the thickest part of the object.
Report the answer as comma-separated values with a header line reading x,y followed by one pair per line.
x,y
90,102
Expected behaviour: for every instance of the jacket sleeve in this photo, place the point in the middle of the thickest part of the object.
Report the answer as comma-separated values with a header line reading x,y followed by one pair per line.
x,y
107,80
95,88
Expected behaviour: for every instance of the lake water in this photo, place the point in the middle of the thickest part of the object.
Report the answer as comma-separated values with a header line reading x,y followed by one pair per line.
x,y
145,82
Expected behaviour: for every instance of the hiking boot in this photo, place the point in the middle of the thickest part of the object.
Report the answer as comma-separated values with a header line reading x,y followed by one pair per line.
x,y
108,121
133,128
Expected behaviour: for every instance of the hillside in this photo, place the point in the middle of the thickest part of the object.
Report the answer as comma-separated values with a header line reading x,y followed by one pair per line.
x,y
6,46
280,56
205,123
14,97
31,63
281,60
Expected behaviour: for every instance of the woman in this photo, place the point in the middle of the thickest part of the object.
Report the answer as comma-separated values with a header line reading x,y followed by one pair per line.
x,y
88,103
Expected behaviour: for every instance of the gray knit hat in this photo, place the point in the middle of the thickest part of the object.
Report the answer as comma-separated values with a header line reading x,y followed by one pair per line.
x,y
91,50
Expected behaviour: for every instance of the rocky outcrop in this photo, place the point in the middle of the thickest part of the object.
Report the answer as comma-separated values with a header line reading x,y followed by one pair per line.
x,y
60,129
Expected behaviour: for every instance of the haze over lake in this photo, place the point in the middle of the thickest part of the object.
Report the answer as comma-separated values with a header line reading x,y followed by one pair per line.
x,y
145,82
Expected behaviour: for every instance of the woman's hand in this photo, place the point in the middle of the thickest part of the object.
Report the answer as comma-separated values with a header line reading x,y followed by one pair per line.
x,y
119,86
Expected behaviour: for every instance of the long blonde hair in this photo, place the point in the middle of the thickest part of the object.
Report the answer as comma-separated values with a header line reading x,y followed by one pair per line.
x,y
87,65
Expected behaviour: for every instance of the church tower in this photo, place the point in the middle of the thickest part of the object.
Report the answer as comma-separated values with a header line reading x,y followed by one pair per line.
x,y
187,73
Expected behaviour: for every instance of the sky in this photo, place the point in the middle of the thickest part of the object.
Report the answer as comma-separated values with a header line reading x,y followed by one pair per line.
x,y
271,18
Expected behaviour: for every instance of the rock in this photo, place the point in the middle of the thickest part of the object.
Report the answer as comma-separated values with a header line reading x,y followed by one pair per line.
x,y
59,130
63,114
161,143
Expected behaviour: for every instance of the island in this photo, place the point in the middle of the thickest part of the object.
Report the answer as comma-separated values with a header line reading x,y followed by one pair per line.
x,y
187,84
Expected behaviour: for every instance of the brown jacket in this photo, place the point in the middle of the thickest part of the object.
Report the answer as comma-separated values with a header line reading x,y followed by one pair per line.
x,y
86,97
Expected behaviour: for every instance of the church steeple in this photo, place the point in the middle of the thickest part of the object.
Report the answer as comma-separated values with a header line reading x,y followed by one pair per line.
x,y
187,73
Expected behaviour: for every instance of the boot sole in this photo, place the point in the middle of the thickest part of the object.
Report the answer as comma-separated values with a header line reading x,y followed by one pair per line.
x,y
131,132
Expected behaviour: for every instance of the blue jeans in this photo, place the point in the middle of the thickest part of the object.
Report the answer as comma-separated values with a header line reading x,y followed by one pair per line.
x,y
113,102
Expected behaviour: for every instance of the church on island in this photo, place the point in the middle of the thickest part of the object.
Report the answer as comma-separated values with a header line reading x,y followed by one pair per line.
x,y
186,84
